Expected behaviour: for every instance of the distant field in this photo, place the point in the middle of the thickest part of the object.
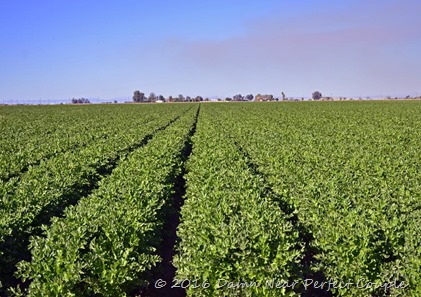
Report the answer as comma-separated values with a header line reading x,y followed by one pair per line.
x,y
229,199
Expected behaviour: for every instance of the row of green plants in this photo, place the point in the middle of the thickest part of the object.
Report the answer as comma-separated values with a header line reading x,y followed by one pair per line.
x,y
31,134
234,237
78,131
107,243
351,171
46,190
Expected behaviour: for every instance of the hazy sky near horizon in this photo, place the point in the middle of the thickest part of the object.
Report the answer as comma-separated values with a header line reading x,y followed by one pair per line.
x,y
107,49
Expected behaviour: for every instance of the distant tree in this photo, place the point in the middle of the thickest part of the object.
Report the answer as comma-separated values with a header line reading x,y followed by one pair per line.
x,y
138,96
249,97
258,97
238,97
115,101
180,98
152,97
408,97
160,97
198,98
206,99
269,97
80,101
316,95
283,96
228,99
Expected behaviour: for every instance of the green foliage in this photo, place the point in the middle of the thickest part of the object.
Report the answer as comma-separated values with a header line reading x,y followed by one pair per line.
x,y
345,172
108,241
231,228
45,190
351,171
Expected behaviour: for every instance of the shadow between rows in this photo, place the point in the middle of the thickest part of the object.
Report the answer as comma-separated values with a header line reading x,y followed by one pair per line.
x,y
166,270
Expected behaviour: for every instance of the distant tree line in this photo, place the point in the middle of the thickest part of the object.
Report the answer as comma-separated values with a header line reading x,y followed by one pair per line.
x,y
80,101
141,97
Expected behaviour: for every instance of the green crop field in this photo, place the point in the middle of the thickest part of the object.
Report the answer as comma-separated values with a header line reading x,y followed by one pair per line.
x,y
211,199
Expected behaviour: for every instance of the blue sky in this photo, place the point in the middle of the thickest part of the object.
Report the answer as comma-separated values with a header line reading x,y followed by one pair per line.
x,y
107,49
